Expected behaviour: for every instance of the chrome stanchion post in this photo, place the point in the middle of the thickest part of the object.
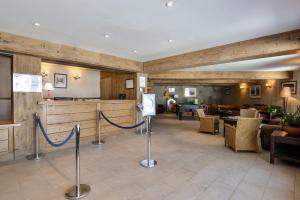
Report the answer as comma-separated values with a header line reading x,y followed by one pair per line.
x,y
98,140
148,163
37,155
77,191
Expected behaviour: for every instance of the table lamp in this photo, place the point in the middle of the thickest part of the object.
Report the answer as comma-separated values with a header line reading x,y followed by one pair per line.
x,y
49,88
285,93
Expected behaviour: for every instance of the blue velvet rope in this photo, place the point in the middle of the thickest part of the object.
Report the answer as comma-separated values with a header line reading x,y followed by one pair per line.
x,y
39,123
119,126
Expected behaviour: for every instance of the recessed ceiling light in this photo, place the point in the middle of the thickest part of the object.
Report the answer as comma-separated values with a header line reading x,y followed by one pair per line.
x,y
169,4
134,51
36,24
106,36
170,41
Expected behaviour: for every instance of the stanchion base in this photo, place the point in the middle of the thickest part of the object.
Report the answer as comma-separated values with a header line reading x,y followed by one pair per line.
x,y
96,142
72,194
33,156
148,163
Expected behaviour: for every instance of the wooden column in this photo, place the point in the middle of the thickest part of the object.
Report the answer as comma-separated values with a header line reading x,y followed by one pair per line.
x,y
25,104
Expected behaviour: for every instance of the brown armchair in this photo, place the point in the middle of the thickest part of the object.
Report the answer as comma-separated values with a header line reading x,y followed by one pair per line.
x,y
243,137
208,123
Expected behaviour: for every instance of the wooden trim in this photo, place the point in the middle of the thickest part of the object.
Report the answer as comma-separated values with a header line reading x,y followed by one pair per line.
x,y
63,53
198,82
225,75
273,45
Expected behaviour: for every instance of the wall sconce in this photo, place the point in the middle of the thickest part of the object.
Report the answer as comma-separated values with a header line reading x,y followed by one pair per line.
x,y
242,86
45,73
76,76
268,85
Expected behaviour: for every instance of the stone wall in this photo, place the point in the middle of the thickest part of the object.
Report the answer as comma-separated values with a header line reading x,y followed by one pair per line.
x,y
205,94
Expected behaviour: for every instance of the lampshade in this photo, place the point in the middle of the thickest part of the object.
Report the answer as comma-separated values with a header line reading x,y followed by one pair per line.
x,y
48,86
285,92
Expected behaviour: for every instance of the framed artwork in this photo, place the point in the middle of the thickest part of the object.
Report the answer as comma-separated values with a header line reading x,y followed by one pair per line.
x,y
190,92
290,84
255,91
129,84
227,91
60,80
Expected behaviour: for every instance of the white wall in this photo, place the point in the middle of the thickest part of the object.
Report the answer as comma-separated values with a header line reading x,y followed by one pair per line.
x,y
88,86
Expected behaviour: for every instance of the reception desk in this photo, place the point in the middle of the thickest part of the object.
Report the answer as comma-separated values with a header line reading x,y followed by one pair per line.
x,y
59,117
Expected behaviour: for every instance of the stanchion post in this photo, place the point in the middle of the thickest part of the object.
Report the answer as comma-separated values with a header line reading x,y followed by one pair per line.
x,y
148,163
77,191
98,140
37,155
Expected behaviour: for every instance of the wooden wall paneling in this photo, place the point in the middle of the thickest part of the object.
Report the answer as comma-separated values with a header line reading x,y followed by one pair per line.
x,y
25,104
121,112
273,45
113,85
58,52
4,141
73,117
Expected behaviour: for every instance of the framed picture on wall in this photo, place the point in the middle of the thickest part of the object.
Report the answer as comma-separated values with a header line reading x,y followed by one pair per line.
x,y
129,84
290,84
60,80
255,91
190,92
227,91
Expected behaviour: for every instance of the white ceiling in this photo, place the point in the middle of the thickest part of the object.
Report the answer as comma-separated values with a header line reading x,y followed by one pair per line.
x,y
278,63
146,25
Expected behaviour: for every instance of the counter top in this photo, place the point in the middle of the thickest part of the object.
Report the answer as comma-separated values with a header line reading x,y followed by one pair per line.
x,y
7,124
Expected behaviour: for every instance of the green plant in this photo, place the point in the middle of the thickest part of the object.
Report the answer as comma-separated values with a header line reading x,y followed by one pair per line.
x,y
291,119
274,109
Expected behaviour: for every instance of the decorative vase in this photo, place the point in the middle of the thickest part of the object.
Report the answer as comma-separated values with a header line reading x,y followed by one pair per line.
x,y
292,131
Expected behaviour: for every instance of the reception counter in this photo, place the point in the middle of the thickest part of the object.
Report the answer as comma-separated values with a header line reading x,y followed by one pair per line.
x,y
59,117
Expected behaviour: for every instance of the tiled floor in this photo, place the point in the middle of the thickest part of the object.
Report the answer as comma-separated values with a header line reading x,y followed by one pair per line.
x,y
191,165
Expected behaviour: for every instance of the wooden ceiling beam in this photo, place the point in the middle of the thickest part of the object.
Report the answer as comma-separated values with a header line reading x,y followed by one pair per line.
x,y
198,82
63,53
223,75
273,45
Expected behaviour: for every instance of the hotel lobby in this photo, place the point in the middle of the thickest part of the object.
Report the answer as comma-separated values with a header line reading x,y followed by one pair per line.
x,y
164,100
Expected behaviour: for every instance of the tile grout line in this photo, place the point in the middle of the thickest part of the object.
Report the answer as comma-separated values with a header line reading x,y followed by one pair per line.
x,y
242,179
268,182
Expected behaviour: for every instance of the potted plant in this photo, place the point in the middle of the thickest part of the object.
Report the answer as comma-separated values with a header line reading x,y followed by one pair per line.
x,y
291,122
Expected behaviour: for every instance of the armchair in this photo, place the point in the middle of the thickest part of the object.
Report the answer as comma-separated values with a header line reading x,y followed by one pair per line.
x,y
243,137
251,113
208,123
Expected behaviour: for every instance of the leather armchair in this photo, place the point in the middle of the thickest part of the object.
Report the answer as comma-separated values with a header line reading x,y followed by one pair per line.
x,y
208,123
243,137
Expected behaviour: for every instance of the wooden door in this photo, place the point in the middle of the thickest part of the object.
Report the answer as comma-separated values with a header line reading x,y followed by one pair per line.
x,y
106,88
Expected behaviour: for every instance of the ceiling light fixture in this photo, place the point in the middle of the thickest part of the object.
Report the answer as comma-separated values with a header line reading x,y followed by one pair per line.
x,y
106,36
36,24
134,51
169,4
170,41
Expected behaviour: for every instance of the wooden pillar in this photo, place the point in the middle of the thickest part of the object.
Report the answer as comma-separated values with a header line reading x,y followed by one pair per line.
x,y
25,104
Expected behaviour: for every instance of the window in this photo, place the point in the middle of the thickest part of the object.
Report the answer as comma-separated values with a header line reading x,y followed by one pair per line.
x,y
190,92
171,90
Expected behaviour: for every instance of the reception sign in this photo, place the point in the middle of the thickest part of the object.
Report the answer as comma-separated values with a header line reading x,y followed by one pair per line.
x,y
149,105
27,83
